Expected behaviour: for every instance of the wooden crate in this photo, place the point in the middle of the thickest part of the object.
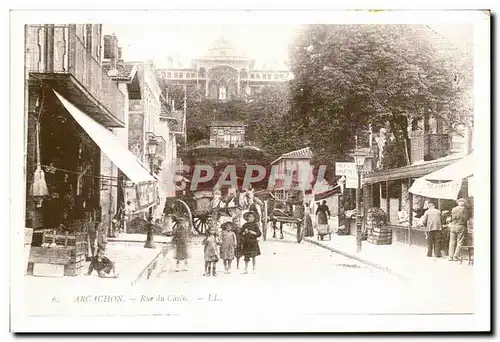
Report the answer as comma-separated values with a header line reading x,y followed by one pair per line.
x,y
55,256
48,270
74,268
379,241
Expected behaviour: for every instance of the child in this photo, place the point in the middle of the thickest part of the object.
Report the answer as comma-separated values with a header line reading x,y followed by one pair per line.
x,y
211,250
250,245
102,265
228,240
180,240
237,232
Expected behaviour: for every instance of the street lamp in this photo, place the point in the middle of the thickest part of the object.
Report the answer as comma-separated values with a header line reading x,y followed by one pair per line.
x,y
151,145
360,155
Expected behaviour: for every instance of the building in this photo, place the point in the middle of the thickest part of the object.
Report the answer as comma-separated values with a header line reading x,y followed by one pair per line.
x,y
432,148
127,78
222,74
292,169
72,106
151,117
227,134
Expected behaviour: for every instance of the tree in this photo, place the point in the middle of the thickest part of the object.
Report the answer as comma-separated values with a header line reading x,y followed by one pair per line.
x,y
350,76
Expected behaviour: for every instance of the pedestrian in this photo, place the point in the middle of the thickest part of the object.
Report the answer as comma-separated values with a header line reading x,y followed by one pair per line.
x,y
458,226
228,245
323,213
250,245
211,245
432,221
102,264
308,226
180,239
239,240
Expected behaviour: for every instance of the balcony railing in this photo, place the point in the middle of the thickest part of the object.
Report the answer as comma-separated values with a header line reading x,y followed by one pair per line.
x,y
54,51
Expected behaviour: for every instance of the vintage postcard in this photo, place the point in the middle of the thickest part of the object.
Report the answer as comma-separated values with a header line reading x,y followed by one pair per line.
x,y
250,171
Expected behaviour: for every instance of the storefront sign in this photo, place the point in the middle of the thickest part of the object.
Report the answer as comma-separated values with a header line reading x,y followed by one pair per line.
x,y
346,169
146,194
448,190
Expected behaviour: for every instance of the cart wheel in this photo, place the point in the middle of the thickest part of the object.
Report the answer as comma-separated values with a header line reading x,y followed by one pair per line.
x,y
264,221
178,208
200,223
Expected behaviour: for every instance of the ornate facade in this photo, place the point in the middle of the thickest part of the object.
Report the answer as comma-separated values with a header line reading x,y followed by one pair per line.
x,y
222,74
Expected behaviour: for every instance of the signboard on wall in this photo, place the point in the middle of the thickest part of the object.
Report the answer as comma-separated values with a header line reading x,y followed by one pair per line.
x,y
350,172
146,195
346,169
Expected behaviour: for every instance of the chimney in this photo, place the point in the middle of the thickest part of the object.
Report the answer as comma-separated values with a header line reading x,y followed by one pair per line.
x,y
111,50
119,53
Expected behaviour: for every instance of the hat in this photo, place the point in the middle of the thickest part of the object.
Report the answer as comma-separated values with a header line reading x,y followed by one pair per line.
x,y
461,200
254,213
225,224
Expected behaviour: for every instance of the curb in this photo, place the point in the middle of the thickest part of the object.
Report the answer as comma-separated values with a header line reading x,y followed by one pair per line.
x,y
136,241
151,264
348,255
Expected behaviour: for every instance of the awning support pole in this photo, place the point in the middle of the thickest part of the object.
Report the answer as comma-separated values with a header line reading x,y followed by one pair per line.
x,y
410,211
387,201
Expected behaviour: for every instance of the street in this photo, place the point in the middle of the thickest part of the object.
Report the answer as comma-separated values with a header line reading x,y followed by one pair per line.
x,y
291,278
312,280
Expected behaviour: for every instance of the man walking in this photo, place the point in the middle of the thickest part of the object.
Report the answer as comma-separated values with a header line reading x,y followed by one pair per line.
x,y
458,227
432,221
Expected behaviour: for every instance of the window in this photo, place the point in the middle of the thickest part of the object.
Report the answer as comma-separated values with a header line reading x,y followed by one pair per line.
x,y
276,76
268,76
181,75
169,74
252,76
222,93
176,75
192,75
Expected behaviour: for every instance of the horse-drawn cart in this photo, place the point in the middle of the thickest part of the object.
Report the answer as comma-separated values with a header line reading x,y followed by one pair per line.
x,y
283,207
199,206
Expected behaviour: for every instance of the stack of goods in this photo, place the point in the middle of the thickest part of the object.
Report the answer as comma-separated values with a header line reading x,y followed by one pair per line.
x,y
376,227
62,253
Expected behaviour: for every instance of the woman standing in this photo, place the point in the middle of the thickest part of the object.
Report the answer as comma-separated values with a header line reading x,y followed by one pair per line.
x,y
250,245
180,241
308,229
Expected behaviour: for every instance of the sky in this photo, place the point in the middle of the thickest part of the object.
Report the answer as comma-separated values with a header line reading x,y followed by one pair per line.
x,y
139,42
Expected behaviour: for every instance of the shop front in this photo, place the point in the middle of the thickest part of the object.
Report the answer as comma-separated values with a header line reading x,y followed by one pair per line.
x,y
394,191
67,183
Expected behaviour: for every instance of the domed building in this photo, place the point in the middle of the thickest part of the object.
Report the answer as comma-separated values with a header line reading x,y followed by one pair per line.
x,y
223,74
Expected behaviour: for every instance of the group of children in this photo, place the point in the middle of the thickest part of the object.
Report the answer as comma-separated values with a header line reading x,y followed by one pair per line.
x,y
231,242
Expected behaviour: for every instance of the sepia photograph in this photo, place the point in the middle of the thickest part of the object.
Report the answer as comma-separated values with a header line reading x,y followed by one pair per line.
x,y
250,171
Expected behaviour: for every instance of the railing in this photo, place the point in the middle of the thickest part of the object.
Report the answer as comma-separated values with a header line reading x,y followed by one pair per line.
x,y
57,49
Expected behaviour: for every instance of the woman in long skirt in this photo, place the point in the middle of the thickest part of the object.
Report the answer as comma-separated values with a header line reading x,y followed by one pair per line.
x,y
308,229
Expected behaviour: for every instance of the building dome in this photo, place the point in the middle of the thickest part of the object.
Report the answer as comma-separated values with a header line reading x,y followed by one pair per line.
x,y
222,48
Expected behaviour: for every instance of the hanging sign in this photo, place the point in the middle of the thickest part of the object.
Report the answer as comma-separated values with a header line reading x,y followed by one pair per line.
x,y
448,190
146,194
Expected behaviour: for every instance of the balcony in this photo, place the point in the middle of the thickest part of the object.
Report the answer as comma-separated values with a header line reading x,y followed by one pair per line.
x,y
56,55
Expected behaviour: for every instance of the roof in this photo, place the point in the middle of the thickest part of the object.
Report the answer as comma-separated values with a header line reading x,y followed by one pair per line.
x,y
227,124
178,127
123,71
304,153
412,171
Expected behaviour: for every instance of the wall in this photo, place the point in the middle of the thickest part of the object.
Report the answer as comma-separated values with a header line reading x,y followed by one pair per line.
x,y
136,129
428,146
